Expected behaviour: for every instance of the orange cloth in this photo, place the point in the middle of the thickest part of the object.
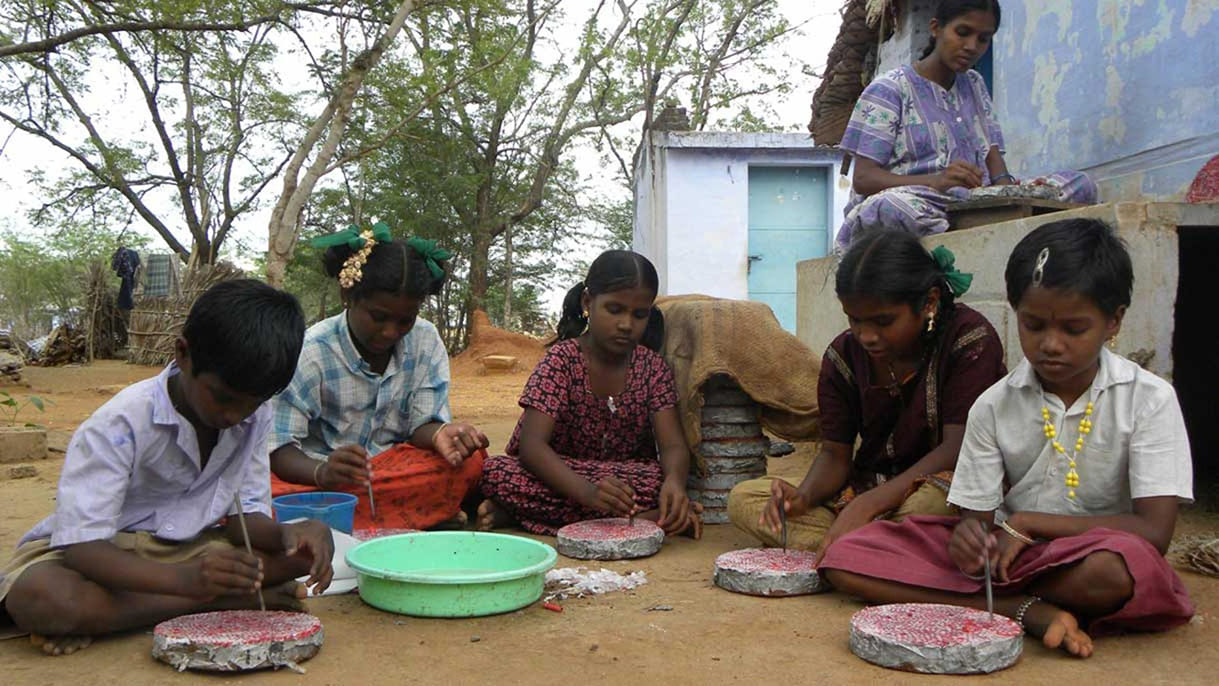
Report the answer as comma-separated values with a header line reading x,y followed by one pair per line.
x,y
414,488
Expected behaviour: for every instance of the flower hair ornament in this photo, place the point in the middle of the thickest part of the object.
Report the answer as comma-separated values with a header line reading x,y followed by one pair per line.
x,y
361,243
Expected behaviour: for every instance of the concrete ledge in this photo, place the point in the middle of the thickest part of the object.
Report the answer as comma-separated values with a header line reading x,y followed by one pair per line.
x,y
1149,229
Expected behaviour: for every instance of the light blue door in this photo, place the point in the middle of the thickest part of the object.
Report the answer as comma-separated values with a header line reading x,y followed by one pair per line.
x,y
787,223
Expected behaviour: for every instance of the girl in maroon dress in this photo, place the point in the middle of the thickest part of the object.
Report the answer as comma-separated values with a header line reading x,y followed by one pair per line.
x,y
595,411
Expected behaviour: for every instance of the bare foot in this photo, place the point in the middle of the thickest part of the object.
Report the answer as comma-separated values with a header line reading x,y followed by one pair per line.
x,y
491,516
60,645
1058,628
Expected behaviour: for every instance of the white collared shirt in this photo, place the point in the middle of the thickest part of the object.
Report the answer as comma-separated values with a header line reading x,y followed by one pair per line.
x,y
1138,447
134,466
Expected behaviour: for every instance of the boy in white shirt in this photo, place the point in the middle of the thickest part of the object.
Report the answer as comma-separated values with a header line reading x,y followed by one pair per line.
x,y
1070,475
144,527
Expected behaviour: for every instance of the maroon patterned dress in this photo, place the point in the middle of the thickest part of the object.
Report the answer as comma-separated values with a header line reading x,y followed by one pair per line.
x,y
595,437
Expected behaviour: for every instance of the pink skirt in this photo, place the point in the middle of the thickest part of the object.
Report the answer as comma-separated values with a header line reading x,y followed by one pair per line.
x,y
915,552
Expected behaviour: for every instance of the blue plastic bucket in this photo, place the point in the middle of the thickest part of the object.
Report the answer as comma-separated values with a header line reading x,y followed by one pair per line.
x,y
337,510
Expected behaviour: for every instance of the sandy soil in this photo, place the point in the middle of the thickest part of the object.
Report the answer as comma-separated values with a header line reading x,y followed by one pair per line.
x,y
709,636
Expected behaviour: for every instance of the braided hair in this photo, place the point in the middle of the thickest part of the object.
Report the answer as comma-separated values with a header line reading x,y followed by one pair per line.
x,y
613,270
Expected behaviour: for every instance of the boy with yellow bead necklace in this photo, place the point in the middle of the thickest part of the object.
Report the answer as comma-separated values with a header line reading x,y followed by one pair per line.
x,y
1077,541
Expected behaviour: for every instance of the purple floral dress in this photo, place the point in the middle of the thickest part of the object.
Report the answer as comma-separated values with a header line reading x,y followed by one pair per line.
x,y
595,437
910,125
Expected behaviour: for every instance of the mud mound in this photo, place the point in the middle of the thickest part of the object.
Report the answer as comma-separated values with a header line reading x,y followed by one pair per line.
x,y
486,339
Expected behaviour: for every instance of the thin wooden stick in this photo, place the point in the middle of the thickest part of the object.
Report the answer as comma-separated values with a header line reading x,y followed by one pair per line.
x,y
262,604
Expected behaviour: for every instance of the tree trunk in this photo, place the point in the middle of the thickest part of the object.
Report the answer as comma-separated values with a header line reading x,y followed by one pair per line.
x,y
480,258
285,217
508,276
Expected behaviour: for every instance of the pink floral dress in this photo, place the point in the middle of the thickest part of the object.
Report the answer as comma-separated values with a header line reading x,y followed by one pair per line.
x,y
595,437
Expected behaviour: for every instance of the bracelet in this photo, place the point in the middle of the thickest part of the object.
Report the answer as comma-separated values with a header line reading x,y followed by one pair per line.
x,y
1005,175
1011,531
316,470
1024,607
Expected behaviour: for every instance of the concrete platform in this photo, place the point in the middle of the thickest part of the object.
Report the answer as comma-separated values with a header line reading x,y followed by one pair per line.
x,y
1152,230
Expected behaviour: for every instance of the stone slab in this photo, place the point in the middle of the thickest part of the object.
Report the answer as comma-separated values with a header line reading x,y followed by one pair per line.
x,y
733,448
20,471
610,539
768,572
731,415
714,515
753,466
726,397
711,432
935,639
707,497
237,641
717,482
22,444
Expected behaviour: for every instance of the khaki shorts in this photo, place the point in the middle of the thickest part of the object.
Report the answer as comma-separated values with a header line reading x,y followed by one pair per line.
x,y
141,543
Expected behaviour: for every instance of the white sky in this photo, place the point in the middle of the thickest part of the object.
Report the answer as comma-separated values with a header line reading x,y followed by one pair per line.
x,y
23,154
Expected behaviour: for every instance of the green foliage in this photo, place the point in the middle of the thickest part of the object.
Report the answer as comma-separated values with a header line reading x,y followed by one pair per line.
x,y
42,278
10,407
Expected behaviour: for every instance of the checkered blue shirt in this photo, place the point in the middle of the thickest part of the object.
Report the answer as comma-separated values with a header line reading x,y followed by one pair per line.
x,y
335,398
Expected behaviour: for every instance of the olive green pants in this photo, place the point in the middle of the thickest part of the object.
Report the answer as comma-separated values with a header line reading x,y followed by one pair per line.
x,y
749,499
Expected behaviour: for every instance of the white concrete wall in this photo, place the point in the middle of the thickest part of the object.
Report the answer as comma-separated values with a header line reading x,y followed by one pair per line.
x,y
1148,228
692,204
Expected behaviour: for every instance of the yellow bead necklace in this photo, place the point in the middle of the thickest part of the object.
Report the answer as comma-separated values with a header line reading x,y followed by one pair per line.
x,y
1085,428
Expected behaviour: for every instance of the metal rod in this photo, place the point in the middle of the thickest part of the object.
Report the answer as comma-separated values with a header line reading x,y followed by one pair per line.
x,y
990,596
372,504
783,523
245,533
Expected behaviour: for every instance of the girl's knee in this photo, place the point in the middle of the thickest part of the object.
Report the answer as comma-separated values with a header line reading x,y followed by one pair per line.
x,y
1106,582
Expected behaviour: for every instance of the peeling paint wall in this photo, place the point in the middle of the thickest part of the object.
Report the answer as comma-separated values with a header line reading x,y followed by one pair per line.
x,y
1126,90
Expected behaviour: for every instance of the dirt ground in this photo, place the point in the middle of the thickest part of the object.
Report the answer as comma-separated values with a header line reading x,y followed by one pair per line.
x,y
709,635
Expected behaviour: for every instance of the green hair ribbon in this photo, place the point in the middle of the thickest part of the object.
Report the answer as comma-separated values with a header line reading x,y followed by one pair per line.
x,y
351,237
432,254
958,281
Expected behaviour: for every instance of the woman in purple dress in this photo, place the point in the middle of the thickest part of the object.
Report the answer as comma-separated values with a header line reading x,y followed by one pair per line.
x,y
923,135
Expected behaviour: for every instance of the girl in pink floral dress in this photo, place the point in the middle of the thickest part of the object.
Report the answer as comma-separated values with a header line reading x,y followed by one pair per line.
x,y
599,435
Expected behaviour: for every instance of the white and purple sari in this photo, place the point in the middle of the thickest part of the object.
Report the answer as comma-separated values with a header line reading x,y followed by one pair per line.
x,y
910,125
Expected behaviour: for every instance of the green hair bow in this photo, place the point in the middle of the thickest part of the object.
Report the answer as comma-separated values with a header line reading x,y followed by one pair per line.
x,y
431,253
958,282
351,237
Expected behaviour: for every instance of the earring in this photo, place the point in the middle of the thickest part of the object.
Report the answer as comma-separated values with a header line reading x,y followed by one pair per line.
x,y
586,314
930,323
1112,343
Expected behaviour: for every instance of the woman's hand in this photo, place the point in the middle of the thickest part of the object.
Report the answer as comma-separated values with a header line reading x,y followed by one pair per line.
x,y
675,507
789,498
970,545
612,496
347,465
455,441
958,173
312,538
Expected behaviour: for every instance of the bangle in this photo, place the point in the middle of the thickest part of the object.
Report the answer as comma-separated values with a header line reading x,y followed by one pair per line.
x,y
1024,607
1016,534
1004,175
316,470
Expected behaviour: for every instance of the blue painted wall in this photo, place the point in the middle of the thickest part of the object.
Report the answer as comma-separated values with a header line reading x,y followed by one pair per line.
x,y
1127,90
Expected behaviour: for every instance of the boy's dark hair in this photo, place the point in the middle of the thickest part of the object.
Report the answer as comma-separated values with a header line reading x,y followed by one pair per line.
x,y
1084,256
613,270
247,333
948,10
894,267
392,267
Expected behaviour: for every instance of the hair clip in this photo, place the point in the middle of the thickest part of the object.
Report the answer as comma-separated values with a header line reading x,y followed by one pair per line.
x,y
1039,268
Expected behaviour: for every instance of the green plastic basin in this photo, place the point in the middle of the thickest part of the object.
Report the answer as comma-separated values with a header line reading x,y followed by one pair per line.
x,y
451,573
